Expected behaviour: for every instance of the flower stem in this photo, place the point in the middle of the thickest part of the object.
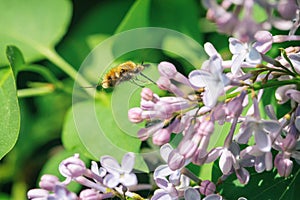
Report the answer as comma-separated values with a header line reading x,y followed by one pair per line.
x,y
29,92
54,57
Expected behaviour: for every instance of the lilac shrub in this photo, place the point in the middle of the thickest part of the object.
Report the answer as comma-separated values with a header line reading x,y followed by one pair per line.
x,y
220,92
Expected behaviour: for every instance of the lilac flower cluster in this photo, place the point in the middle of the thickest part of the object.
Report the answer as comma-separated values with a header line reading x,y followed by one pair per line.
x,y
103,182
222,92
229,18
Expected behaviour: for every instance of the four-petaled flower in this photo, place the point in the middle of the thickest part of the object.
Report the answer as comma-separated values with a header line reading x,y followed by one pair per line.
x,y
119,174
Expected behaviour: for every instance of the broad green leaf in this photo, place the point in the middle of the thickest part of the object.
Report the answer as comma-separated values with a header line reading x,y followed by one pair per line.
x,y
9,111
136,17
34,26
268,98
267,185
182,16
15,58
70,137
92,128
185,48
102,19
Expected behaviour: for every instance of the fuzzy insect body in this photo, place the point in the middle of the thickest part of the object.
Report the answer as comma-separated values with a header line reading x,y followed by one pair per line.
x,y
123,72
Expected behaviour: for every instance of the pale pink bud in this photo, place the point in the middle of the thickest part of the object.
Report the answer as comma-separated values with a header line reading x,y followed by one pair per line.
x,y
135,115
72,167
48,182
37,194
162,136
147,94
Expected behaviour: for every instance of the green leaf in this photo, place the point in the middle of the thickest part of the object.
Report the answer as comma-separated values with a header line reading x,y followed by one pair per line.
x,y
182,16
94,21
186,48
9,111
267,185
136,17
268,98
15,58
34,26
92,128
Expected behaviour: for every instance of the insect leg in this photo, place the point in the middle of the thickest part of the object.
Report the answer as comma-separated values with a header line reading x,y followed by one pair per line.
x,y
143,75
134,82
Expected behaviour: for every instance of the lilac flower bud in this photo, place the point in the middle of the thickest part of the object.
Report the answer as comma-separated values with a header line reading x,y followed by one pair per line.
x,y
48,182
206,127
147,94
145,133
135,115
290,140
293,94
162,136
72,167
207,187
167,69
283,165
235,107
37,194
161,111
165,84
187,148
175,160
264,41
91,194
147,105
287,9
177,126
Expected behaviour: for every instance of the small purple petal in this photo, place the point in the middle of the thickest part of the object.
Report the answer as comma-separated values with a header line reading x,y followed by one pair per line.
x,y
271,126
111,180
213,197
210,50
128,162
235,46
129,179
263,141
161,195
175,178
110,164
260,164
165,151
237,62
245,133
162,182
175,160
191,194
253,56
226,161
162,171
37,193
214,154
200,78
243,175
